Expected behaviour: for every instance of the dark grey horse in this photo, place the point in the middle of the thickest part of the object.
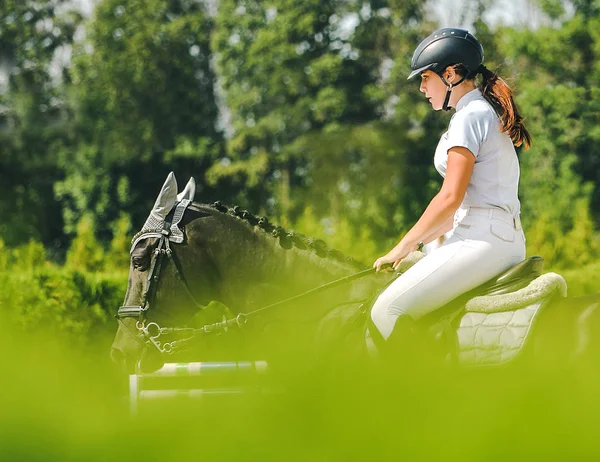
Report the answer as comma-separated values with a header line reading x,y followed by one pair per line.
x,y
234,262
219,263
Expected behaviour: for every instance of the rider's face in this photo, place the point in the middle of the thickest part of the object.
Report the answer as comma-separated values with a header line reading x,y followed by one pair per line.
x,y
434,89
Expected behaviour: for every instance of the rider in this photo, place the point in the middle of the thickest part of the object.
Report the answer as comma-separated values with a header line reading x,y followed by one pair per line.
x,y
478,199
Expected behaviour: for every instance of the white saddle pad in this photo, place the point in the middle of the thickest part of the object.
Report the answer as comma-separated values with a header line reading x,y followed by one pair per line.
x,y
537,289
496,327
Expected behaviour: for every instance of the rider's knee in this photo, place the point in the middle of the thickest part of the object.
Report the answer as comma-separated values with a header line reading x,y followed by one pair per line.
x,y
381,319
385,317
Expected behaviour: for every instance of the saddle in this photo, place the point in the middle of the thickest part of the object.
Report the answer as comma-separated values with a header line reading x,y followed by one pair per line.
x,y
491,324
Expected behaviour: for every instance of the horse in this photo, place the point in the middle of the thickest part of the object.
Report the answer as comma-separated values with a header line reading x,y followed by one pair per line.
x,y
221,281
233,263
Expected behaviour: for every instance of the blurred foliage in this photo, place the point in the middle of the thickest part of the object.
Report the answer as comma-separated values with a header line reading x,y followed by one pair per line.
x,y
558,73
62,403
287,72
37,296
85,253
75,301
34,116
339,235
582,281
558,94
142,90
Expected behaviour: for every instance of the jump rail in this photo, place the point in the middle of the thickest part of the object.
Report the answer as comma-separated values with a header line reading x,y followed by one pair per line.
x,y
194,380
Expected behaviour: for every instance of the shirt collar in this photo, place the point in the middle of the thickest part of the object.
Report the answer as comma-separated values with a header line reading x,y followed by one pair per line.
x,y
467,98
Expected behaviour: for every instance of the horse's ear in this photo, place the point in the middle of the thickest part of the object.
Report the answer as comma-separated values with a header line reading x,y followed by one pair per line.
x,y
164,203
189,191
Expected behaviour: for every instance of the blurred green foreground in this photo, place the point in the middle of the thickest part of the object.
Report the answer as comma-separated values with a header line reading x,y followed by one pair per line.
x,y
62,399
59,402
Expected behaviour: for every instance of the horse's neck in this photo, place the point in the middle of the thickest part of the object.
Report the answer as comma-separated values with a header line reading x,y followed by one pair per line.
x,y
256,270
292,271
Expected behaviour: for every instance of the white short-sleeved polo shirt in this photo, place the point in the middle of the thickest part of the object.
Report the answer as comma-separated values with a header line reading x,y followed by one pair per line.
x,y
495,178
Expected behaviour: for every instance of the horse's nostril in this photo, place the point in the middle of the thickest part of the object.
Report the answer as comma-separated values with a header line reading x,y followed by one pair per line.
x,y
117,356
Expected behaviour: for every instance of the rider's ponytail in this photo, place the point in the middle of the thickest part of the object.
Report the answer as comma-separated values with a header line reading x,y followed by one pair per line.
x,y
496,91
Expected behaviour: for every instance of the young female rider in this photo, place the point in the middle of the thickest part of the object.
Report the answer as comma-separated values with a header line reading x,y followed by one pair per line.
x,y
478,198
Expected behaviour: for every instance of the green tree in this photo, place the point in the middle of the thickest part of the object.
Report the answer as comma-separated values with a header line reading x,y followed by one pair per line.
x,y
144,95
559,65
558,95
34,117
286,70
85,254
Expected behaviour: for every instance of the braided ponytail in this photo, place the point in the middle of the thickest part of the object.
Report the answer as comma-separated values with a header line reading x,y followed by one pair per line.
x,y
497,92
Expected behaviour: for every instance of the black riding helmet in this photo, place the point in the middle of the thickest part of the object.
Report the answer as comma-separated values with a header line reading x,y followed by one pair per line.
x,y
443,48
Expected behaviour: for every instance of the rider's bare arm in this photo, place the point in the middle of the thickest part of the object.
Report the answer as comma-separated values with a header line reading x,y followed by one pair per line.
x,y
441,208
447,226
440,211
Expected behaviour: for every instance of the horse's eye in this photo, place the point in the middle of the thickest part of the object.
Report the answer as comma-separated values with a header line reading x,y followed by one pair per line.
x,y
139,263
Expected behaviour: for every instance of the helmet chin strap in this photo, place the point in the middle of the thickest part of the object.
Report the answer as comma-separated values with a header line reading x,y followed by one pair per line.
x,y
449,88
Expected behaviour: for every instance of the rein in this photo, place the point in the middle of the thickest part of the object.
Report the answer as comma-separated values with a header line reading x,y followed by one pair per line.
x,y
152,331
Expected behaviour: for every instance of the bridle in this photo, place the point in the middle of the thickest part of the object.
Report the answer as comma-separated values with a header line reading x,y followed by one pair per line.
x,y
151,331
162,251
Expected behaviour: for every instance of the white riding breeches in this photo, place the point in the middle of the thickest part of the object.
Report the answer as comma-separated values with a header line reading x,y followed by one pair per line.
x,y
483,244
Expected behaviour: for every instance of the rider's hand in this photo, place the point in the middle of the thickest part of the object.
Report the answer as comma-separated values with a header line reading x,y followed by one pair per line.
x,y
383,262
394,256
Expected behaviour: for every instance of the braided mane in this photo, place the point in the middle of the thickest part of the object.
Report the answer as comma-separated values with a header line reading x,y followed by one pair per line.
x,y
287,238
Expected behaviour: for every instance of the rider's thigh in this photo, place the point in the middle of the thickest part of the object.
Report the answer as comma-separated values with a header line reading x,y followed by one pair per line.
x,y
474,253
